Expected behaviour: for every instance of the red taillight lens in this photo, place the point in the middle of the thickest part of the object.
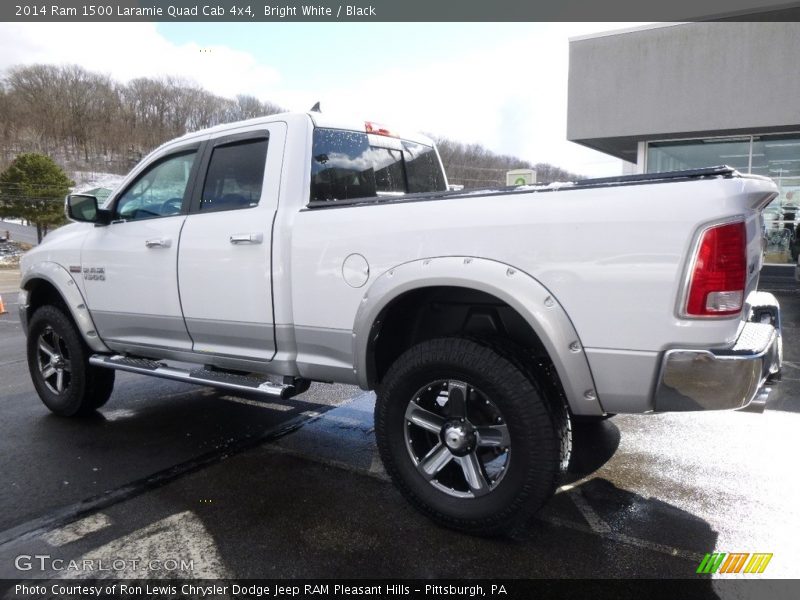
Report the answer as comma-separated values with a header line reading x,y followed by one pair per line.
x,y
716,285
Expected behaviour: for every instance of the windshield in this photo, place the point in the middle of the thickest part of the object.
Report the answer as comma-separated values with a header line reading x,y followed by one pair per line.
x,y
349,164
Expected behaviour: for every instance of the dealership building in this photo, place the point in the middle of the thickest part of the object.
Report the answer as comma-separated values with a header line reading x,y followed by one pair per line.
x,y
690,95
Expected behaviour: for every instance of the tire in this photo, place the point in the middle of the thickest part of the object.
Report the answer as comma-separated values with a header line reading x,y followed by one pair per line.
x,y
470,436
58,361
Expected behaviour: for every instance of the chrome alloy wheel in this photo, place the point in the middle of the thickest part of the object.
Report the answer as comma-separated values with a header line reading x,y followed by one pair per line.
x,y
53,361
457,438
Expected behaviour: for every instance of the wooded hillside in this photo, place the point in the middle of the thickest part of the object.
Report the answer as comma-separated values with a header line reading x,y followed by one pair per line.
x,y
88,121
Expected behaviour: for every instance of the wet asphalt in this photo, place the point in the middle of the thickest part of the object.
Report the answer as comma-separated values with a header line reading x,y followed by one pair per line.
x,y
296,490
150,429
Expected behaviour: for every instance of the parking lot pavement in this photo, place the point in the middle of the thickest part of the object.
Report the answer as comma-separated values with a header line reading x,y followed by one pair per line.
x,y
645,497
19,233
150,431
9,281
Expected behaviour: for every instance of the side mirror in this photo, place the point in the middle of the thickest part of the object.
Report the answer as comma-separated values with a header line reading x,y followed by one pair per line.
x,y
83,208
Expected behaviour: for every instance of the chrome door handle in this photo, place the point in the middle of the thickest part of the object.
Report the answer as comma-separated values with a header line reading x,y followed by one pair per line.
x,y
247,238
160,243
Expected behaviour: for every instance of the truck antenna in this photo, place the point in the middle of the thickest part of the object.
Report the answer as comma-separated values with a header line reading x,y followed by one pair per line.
x,y
316,108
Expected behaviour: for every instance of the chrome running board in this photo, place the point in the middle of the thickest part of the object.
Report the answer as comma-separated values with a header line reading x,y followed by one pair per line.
x,y
200,376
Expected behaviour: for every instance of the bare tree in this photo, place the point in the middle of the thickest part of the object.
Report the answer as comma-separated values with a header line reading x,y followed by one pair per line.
x,y
475,166
87,120
39,105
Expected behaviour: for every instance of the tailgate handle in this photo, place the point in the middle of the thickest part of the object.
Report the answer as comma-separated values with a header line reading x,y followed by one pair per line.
x,y
247,238
159,243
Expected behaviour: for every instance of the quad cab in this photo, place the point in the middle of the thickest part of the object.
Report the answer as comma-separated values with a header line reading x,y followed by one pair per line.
x,y
274,252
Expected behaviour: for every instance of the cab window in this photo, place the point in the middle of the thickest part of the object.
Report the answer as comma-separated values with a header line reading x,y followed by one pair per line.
x,y
159,191
235,176
349,164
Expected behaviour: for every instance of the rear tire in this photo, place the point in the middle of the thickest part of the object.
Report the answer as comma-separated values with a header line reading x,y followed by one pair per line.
x,y
469,436
58,361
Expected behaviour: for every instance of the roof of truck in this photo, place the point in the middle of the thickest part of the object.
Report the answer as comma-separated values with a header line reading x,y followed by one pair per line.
x,y
352,123
319,119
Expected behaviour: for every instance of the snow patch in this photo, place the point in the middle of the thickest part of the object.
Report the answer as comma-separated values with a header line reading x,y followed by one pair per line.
x,y
89,180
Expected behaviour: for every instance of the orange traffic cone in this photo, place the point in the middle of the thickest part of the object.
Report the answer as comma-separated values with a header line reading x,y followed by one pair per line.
x,y
2,307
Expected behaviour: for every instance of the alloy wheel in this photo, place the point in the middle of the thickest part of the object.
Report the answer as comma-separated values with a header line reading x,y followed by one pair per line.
x,y
53,361
457,438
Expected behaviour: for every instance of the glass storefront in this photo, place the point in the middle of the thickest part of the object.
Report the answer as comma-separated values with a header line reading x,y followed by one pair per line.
x,y
775,156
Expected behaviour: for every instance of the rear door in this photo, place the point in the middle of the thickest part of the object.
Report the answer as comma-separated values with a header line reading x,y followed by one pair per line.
x,y
224,270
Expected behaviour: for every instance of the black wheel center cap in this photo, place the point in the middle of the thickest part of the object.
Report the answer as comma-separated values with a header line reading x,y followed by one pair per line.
x,y
459,437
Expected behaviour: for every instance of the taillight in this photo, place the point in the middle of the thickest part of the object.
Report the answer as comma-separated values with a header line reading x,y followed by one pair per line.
x,y
717,281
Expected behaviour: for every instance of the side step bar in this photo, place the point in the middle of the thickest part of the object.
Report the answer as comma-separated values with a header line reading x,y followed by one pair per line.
x,y
217,379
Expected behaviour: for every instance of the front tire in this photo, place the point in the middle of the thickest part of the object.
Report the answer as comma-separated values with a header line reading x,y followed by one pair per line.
x,y
469,436
58,361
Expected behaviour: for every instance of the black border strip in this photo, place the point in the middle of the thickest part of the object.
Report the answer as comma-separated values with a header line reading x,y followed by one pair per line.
x,y
407,11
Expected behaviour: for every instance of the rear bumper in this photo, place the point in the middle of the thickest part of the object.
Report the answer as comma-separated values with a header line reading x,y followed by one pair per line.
x,y
727,378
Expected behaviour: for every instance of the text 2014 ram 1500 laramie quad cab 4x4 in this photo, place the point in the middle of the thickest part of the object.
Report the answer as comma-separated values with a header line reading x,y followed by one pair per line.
x,y
295,248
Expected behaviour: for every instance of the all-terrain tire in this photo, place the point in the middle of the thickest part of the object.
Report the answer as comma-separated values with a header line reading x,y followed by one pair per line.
x,y
81,388
537,427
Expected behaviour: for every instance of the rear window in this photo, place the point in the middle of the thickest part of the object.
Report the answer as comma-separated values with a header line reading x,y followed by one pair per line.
x,y
349,164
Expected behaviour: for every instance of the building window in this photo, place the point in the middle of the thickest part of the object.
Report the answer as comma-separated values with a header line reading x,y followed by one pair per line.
x,y
775,156
693,154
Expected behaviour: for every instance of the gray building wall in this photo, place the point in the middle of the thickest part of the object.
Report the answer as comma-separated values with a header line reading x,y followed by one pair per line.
x,y
686,80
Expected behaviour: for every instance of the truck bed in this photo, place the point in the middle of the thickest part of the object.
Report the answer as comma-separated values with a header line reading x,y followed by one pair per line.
x,y
722,171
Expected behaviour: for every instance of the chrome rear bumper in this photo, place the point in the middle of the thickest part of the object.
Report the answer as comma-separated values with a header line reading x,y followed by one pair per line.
x,y
728,378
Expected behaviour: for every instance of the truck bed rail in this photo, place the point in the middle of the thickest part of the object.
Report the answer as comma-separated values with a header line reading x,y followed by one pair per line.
x,y
582,184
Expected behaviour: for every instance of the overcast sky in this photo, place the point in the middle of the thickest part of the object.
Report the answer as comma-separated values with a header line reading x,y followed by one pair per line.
x,y
501,84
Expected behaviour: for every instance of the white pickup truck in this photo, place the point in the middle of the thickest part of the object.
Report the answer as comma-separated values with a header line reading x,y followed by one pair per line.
x,y
260,256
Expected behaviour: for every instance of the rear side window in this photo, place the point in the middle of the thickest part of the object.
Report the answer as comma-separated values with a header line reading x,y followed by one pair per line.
x,y
235,176
349,164
422,169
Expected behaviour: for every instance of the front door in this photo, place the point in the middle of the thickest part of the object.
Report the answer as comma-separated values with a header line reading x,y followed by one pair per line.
x,y
130,266
224,266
